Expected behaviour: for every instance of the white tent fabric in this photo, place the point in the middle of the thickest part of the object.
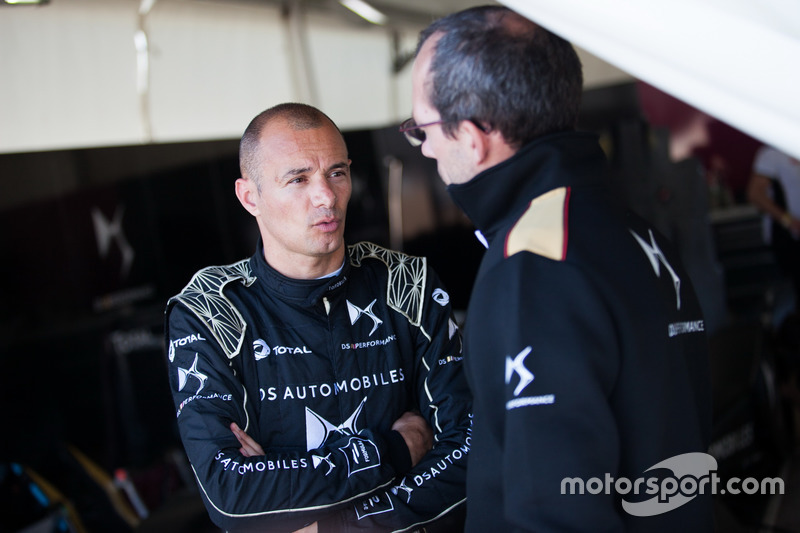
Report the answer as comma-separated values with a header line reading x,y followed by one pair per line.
x,y
736,60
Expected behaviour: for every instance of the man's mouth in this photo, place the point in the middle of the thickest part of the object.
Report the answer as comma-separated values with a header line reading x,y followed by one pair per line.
x,y
328,224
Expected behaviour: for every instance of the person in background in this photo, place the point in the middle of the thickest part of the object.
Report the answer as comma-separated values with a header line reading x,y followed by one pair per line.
x,y
584,342
774,188
318,386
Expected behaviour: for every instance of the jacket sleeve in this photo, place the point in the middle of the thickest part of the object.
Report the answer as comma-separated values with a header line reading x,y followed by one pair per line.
x,y
553,355
434,490
279,491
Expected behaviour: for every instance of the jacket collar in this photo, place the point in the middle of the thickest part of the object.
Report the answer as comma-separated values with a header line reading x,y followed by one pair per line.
x,y
500,194
308,291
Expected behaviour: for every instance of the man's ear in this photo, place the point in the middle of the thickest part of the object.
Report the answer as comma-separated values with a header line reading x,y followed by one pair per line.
x,y
247,193
487,149
478,141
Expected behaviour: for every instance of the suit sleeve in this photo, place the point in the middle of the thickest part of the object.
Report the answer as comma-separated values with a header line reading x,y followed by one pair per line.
x,y
434,490
553,350
283,490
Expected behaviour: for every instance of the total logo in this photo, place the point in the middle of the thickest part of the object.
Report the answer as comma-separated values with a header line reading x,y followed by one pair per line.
x,y
189,339
261,350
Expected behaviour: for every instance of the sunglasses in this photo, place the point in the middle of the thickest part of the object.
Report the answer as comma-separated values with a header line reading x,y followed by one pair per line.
x,y
414,133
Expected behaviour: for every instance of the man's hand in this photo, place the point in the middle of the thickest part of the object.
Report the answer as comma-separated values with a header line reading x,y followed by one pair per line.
x,y
417,434
250,448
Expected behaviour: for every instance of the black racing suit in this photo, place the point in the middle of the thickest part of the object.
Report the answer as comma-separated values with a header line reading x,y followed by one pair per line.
x,y
316,372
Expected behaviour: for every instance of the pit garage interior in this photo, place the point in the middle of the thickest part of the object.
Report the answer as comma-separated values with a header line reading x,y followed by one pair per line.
x,y
119,127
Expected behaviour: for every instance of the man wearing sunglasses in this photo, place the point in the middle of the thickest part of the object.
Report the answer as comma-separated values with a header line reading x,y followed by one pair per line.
x,y
584,342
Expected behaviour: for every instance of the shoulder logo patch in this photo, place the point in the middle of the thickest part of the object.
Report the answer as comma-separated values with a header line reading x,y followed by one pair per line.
x,y
203,296
542,229
407,278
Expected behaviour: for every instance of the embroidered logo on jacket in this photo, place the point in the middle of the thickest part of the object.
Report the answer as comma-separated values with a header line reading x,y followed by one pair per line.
x,y
359,452
374,505
356,312
319,459
185,373
517,366
260,349
657,258
403,486
318,430
441,297
189,339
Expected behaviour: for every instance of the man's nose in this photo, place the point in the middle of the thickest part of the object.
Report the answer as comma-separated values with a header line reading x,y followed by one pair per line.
x,y
322,194
425,148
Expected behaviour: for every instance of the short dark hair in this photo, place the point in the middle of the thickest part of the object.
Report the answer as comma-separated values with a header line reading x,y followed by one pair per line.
x,y
299,117
496,68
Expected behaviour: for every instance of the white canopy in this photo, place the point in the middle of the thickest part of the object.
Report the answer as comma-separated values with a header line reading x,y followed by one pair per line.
x,y
736,60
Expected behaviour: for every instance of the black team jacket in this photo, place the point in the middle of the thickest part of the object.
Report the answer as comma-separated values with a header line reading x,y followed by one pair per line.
x,y
586,354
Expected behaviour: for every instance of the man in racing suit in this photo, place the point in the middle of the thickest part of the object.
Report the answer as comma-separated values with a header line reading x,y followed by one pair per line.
x,y
334,365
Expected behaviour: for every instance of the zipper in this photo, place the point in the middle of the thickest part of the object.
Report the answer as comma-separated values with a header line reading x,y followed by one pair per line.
x,y
327,305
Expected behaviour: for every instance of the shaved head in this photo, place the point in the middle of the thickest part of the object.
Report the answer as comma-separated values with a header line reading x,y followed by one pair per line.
x,y
297,116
